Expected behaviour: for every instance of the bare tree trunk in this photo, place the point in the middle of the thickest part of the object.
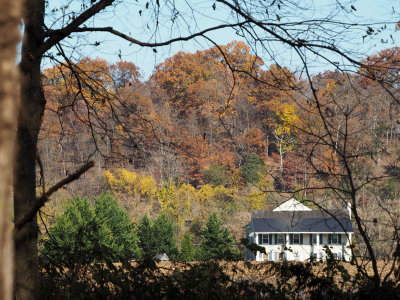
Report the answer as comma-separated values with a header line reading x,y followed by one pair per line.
x,y
10,16
281,158
29,120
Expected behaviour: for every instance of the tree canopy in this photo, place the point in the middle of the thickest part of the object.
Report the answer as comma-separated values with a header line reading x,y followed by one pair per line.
x,y
217,243
157,237
83,234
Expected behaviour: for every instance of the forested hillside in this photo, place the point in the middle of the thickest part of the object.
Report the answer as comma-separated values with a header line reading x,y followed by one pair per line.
x,y
222,131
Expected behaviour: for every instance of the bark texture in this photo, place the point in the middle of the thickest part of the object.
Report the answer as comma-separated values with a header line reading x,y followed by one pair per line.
x,y
29,120
10,16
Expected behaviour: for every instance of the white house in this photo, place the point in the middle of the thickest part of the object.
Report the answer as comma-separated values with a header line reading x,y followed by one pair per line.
x,y
293,231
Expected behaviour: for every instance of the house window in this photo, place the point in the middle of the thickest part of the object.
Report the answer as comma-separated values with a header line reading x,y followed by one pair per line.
x,y
264,239
280,239
296,238
314,239
334,239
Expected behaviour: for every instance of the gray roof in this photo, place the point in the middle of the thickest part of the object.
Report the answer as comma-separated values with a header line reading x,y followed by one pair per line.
x,y
161,256
301,221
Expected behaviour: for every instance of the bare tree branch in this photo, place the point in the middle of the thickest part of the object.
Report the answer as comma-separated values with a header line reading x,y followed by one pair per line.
x,y
45,197
55,36
145,44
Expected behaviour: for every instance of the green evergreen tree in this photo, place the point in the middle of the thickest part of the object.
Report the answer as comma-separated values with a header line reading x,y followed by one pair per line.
x,y
251,168
187,252
116,225
216,175
69,237
217,243
146,238
164,237
83,234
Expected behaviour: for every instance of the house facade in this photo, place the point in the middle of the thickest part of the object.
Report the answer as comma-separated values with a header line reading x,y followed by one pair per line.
x,y
292,231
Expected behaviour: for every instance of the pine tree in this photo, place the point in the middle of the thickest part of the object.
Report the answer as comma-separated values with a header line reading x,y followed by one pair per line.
x,y
217,243
83,234
216,175
117,226
164,237
68,236
251,168
187,252
146,238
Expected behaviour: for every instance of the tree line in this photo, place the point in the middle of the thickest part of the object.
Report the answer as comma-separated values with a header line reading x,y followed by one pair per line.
x,y
103,232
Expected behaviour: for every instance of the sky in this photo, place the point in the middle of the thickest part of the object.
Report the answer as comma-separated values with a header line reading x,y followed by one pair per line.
x,y
132,18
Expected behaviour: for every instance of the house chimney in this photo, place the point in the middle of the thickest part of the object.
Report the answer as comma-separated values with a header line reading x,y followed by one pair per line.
x,y
349,209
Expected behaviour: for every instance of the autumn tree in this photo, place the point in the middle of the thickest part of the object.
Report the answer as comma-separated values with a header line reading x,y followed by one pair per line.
x,y
338,145
123,182
284,131
96,107
175,199
196,86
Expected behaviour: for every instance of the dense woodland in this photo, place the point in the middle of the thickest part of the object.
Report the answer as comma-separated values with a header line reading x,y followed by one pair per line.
x,y
222,131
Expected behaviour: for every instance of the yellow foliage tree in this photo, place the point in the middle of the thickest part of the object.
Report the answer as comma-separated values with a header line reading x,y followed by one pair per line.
x,y
121,182
146,187
256,200
175,199
204,194
285,129
124,182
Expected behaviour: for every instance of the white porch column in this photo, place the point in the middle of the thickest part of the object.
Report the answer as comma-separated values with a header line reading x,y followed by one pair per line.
x,y
287,245
317,246
258,243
